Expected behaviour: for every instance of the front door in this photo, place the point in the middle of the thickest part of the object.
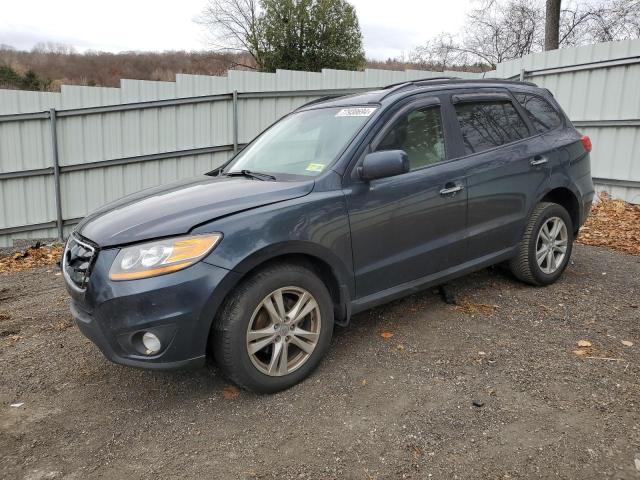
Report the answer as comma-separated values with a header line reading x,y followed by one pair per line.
x,y
410,226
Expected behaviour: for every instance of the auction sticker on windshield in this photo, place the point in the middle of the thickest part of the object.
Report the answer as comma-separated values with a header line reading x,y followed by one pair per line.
x,y
356,112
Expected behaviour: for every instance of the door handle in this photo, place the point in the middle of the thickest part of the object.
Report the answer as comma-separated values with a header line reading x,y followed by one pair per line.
x,y
538,160
450,190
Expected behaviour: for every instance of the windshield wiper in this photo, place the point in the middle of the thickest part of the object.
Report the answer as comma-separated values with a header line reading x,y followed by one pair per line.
x,y
250,174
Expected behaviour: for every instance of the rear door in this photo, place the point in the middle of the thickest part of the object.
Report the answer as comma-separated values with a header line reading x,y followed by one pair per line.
x,y
550,139
410,226
506,170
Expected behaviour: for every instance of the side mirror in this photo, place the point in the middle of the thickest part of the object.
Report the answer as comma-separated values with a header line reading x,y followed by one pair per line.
x,y
386,163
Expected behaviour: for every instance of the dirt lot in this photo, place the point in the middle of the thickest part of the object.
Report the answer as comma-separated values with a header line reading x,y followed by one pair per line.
x,y
395,407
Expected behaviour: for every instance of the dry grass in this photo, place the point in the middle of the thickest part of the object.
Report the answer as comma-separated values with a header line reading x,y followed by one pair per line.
x,y
613,224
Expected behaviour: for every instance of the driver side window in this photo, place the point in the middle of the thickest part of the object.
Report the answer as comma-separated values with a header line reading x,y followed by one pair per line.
x,y
419,133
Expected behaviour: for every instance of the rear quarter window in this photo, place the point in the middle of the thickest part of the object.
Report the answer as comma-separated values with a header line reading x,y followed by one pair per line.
x,y
486,125
541,113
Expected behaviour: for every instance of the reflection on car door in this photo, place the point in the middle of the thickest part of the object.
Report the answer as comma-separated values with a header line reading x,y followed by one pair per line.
x,y
409,226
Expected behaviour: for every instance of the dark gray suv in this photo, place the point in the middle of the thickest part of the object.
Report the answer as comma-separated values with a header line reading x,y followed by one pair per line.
x,y
342,205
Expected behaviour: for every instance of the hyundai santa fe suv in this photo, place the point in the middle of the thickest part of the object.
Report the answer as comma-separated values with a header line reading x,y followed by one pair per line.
x,y
342,205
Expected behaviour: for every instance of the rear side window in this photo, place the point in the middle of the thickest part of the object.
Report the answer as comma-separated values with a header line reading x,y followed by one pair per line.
x,y
543,116
486,125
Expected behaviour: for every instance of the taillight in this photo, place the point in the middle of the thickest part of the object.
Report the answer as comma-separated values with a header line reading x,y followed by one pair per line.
x,y
586,143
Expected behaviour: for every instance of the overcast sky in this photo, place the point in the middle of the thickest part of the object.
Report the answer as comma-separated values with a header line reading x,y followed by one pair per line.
x,y
390,28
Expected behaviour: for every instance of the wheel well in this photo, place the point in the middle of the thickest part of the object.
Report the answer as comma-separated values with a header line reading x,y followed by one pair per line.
x,y
324,272
566,198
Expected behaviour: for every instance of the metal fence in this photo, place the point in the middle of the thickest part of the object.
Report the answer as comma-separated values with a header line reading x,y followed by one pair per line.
x,y
65,154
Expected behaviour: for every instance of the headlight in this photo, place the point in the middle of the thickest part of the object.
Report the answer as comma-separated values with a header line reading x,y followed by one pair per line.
x,y
161,256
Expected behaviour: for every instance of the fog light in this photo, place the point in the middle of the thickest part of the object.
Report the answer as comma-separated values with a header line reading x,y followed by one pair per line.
x,y
151,343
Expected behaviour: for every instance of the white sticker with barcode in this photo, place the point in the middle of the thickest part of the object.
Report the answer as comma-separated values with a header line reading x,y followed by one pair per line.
x,y
356,112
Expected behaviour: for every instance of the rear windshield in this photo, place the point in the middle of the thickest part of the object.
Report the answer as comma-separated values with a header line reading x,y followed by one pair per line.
x,y
303,143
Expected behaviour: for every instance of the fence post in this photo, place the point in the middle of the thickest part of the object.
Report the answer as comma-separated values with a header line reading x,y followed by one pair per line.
x,y
56,173
522,74
235,122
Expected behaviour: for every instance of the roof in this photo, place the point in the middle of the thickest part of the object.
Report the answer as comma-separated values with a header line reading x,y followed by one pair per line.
x,y
392,93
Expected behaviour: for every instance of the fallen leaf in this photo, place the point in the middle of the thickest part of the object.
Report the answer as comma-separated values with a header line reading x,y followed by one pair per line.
x,y
400,347
627,343
614,224
584,343
580,352
17,405
32,257
364,382
386,335
230,392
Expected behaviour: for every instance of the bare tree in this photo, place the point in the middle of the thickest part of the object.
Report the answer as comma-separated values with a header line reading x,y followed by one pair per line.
x,y
495,32
500,30
552,25
440,53
234,26
616,20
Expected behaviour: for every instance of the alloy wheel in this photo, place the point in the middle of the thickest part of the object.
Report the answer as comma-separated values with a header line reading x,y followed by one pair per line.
x,y
551,245
283,331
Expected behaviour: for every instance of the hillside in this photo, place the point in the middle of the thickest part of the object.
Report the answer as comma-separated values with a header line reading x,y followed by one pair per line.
x,y
47,69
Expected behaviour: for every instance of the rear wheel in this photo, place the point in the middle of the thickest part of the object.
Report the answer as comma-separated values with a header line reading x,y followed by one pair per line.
x,y
274,329
546,246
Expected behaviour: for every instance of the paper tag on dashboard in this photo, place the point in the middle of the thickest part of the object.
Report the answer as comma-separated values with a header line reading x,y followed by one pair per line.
x,y
356,112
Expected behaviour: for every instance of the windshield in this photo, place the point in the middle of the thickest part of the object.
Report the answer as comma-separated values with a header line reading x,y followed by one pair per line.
x,y
304,143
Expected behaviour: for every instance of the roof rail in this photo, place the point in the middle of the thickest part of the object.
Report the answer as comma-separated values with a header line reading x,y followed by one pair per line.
x,y
498,80
321,99
410,82
418,81
452,80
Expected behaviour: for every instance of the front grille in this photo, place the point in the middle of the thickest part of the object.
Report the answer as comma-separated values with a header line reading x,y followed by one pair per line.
x,y
77,262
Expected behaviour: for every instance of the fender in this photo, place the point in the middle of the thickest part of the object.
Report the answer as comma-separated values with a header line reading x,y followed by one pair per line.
x,y
562,182
344,287
315,226
296,247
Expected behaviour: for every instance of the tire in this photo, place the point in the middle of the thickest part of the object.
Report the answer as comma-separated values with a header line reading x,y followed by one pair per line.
x,y
246,321
525,265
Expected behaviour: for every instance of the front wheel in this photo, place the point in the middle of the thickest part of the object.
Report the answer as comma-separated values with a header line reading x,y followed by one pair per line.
x,y
274,329
546,246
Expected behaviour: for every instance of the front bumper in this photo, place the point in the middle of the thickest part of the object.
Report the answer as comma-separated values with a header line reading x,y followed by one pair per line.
x,y
177,307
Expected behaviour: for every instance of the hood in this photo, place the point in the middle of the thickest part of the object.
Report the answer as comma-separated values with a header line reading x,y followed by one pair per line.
x,y
176,208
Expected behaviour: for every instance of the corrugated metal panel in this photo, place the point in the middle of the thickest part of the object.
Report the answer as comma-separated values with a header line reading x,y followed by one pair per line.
x,y
18,101
26,201
631,194
25,145
76,96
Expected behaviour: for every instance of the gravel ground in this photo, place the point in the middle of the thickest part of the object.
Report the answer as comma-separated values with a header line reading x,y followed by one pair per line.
x,y
397,407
